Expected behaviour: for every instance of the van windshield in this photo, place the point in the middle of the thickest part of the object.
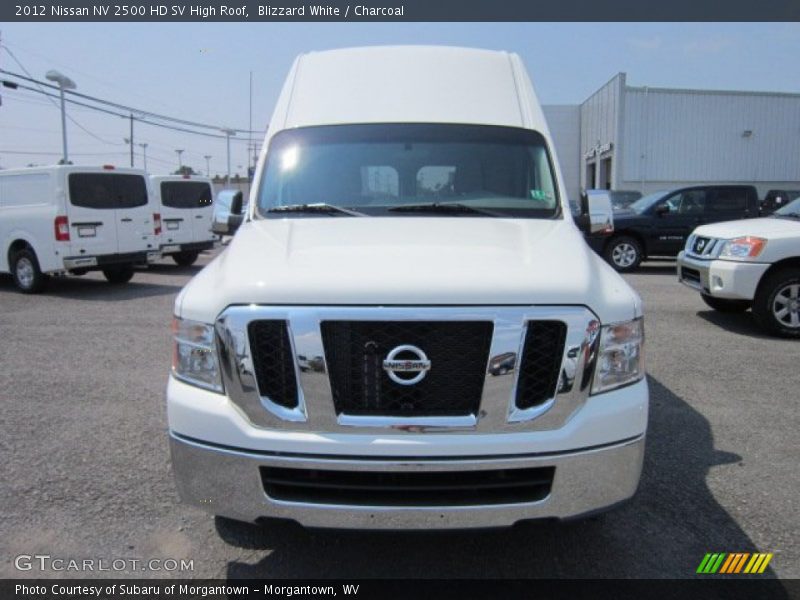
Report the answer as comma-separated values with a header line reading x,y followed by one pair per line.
x,y
185,194
107,190
408,170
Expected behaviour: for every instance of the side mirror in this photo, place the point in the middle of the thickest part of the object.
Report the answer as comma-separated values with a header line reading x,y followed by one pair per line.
x,y
227,212
661,210
600,211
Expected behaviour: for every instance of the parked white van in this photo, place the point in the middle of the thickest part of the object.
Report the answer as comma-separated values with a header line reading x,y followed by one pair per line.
x,y
71,219
408,329
186,206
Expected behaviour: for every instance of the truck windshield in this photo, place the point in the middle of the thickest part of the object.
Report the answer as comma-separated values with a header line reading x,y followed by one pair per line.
x,y
790,210
423,168
645,202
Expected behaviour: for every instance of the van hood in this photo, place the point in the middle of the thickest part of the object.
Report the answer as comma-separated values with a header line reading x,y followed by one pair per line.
x,y
408,261
769,227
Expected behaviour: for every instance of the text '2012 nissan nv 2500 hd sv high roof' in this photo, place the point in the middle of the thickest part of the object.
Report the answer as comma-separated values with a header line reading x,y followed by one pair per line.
x,y
73,219
407,331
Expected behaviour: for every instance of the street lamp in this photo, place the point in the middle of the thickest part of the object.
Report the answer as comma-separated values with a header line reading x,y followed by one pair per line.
x,y
143,146
64,83
179,151
228,133
208,165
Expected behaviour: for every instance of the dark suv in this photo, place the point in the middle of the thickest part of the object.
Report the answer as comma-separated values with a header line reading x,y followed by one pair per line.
x,y
658,224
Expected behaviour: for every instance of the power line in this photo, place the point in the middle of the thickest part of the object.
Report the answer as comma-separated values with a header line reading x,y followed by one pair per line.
x,y
123,107
76,123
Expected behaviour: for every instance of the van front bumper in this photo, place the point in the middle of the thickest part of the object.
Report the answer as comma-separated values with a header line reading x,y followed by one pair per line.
x,y
721,278
228,482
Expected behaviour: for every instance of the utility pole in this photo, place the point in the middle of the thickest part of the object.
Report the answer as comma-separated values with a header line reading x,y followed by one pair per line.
x,y
228,133
250,131
144,154
131,139
179,151
208,165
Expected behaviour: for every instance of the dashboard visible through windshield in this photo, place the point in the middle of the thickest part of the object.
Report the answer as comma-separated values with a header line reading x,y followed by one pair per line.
x,y
408,170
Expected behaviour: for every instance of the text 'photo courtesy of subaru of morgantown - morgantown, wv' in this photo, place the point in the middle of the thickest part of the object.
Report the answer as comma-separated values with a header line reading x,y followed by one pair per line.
x,y
404,242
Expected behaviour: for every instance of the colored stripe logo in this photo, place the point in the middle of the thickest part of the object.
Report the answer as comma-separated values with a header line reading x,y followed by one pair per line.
x,y
731,563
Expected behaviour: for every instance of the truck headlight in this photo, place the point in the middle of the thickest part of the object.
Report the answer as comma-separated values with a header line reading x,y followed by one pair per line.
x,y
194,355
620,358
743,247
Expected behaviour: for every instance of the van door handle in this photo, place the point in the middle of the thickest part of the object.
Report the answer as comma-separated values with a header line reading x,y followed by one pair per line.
x,y
126,220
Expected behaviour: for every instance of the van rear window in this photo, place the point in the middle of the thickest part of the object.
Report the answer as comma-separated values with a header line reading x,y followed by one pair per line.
x,y
185,194
107,190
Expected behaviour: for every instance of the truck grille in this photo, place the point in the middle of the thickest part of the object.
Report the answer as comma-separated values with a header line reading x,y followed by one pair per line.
x,y
458,351
702,246
540,365
273,361
692,275
388,488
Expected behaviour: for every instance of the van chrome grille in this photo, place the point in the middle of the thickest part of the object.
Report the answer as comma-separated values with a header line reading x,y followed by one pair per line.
x,y
273,362
458,351
540,365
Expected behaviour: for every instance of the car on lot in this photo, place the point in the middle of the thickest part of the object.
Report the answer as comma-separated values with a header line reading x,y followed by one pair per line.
x,y
185,203
658,224
753,263
70,219
776,199
346,361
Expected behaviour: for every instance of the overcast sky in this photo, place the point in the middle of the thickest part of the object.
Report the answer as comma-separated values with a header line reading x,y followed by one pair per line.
x,y
200,72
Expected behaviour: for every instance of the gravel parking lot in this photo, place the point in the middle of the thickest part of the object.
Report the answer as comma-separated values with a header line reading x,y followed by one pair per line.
x,y
86,467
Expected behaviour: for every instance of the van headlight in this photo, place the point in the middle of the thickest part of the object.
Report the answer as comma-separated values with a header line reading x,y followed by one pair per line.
x,y
194,355
620,356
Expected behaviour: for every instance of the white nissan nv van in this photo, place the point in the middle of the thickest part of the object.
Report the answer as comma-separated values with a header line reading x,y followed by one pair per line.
x,y
70,219
185,204
408,330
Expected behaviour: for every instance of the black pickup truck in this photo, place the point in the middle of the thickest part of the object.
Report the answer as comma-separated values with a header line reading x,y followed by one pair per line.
x,y
658,224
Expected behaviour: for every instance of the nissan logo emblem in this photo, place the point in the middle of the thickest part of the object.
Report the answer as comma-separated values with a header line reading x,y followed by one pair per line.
x,y
419,365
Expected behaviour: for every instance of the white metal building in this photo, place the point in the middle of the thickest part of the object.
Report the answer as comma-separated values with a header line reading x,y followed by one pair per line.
x,y
647,139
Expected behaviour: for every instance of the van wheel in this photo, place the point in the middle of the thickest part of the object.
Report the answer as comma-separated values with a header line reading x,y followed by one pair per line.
x,y
725,304
777,304
185,259
28,277
623,253
121,274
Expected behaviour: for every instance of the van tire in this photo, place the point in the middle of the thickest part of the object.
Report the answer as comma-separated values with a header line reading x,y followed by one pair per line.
x,y
726,305
624,253
28,277
186,258
118,275
767,305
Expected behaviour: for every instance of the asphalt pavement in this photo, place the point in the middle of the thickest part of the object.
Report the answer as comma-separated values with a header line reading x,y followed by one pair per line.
x,y
86,471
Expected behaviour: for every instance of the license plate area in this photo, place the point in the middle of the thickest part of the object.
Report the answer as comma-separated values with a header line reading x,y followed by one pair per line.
x,y
173,225
86,232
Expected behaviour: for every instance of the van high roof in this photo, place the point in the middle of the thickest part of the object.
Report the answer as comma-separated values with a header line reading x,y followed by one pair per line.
x,y
411,84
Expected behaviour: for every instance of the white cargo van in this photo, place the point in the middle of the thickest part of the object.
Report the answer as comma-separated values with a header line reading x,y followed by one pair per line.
x,y
186,205
70,219
408,330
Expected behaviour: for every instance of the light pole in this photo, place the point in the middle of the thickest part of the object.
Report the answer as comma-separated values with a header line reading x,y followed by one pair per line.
x,y
64,83
208,165
144,153
179,151
228,133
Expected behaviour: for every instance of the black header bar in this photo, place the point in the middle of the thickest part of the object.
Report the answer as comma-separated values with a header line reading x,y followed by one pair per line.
x,y
278,11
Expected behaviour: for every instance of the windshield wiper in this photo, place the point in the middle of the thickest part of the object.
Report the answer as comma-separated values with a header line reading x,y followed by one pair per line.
x,y
317,207
436,207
